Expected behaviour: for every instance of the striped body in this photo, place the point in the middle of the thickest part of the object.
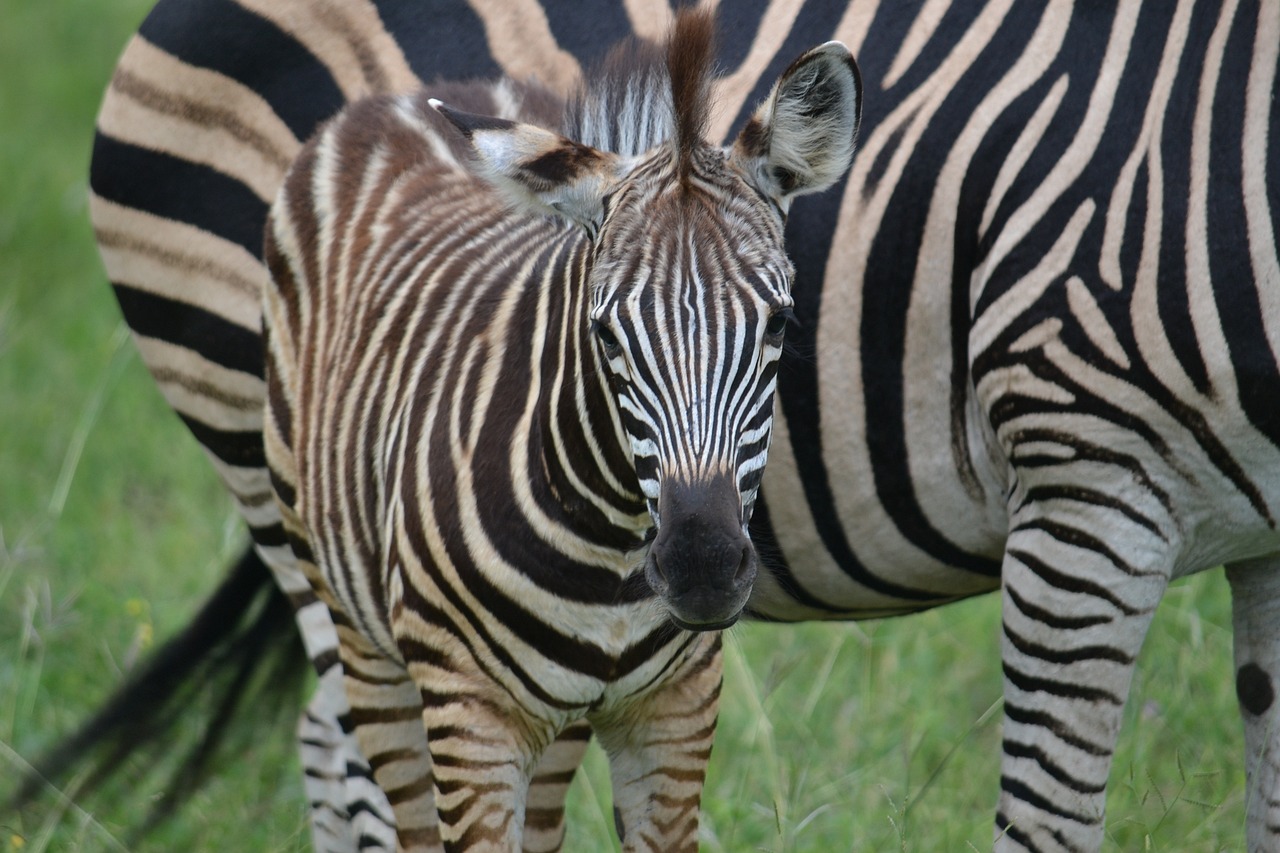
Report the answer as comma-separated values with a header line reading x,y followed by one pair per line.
x,y
1038,325
516,451
421,327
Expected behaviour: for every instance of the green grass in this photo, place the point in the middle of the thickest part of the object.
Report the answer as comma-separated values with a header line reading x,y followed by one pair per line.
x,y
872,737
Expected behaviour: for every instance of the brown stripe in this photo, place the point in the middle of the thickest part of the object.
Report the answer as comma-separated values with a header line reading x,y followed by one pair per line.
x,y
340,25
209,391
129,85
177,261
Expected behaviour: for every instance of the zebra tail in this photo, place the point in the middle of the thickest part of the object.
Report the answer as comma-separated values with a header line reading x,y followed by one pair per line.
x,y
241,649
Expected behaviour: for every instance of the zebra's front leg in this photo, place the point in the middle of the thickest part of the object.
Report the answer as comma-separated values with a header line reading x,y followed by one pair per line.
x,y
1255,599
484,748
658,747
544,811
1078,596
389,725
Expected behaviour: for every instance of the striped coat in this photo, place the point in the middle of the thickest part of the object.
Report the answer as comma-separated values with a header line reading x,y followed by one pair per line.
x,y
1038,323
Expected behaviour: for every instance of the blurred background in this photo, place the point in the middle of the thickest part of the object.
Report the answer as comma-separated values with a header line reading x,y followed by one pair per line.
x,y
869,737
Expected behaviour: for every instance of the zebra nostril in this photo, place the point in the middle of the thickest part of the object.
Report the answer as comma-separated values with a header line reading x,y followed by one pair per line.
x,y
654,574
744,565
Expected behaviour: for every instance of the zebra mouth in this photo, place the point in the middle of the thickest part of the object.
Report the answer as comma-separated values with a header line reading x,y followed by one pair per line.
x,y
705,626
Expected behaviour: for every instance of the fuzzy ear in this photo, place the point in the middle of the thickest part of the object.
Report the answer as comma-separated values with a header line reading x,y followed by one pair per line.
x,y
537,169
801,139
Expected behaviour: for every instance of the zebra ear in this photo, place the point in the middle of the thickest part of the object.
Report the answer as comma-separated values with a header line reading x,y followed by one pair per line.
x,y
536,169
801,139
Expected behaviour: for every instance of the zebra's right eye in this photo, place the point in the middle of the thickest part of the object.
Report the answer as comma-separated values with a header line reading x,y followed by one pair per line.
x,y
608,339
777,323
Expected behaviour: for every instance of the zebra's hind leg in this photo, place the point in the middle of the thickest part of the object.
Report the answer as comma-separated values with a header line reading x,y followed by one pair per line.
x,y
334,772
1078,597
1255,601
658,749
325,766
386,718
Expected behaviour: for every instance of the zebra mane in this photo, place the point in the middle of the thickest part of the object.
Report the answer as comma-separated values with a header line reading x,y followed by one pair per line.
x,y
645,94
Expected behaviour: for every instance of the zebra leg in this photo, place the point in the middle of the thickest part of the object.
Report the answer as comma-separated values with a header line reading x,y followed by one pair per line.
x,y
324,765
1079,590
544,808
1255,600
329,754
338,779
339,782
386,718
658,750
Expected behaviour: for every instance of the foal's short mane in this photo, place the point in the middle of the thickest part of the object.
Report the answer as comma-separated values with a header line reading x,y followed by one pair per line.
x,y
643,95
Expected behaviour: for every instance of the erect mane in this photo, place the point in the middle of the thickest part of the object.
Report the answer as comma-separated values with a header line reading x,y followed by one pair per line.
x,y
690,51
644,94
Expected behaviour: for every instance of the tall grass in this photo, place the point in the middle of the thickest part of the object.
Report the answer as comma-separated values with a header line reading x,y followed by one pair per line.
x,y
878,736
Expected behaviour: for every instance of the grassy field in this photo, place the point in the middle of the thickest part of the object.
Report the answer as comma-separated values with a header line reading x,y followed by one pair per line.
x,y
873,737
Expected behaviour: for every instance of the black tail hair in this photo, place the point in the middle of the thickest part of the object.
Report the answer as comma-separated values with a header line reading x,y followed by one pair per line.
x,y
208,671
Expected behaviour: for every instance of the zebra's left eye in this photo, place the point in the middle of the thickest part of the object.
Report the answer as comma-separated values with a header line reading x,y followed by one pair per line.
x,y
777,323
608,339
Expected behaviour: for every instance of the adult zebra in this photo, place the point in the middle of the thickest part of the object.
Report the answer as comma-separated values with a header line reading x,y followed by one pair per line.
x,y
1056,251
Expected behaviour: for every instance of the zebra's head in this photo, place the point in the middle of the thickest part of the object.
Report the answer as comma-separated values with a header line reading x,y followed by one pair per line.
x,y
690,285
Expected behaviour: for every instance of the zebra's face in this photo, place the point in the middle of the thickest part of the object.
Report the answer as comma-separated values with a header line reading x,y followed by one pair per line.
x,y
690,287
690,302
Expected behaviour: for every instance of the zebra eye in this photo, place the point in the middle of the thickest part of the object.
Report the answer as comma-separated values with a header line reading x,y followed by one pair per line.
x,y
777,323
608,339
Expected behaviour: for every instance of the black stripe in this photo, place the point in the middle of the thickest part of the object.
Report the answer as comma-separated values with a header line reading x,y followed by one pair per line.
x,y
224,37
1053,620
440,40
503,521
1086,452
1077,538
1029,683
325,661
1025,793
887,291
271,536
1039,719
172,188
1057,578
1093,497
774,562
1065,656
242,449
736,33
809,233
1235,287
222,342
587,37
1173,303
1011,832
1034,753
433,615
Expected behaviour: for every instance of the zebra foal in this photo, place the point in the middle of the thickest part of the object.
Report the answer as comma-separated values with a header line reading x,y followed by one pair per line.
x,y
516,422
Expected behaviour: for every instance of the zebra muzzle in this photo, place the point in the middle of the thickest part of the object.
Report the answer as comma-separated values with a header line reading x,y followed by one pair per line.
x,y
701,564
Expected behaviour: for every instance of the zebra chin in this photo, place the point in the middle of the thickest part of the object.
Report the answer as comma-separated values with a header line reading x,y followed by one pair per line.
x,y
701,563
